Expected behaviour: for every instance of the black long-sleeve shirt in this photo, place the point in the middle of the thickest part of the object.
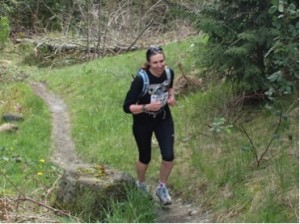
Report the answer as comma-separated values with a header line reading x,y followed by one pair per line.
x,y
156,90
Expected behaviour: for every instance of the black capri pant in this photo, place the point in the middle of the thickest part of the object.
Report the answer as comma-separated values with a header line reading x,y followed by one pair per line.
x,y
164,132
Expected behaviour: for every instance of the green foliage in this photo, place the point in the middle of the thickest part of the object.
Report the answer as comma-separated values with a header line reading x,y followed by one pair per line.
x,y
30,14
247,43
4,30
218,126
283,58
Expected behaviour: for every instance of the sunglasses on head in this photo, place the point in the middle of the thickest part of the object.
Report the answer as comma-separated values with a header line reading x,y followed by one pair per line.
x,y
154,48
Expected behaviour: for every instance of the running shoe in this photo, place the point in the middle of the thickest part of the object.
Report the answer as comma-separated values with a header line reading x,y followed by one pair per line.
x,y
142,187
163,194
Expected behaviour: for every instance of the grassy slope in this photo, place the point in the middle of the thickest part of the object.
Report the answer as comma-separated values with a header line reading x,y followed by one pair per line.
x,y
25,164
214,167
26,152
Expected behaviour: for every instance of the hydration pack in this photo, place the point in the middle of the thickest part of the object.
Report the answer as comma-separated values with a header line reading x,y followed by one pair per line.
x,y
143,74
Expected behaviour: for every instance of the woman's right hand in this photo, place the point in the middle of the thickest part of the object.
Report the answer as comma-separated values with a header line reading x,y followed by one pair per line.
x,y
154,106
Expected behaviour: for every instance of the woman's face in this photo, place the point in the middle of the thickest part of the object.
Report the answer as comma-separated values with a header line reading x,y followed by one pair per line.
x,y
157,63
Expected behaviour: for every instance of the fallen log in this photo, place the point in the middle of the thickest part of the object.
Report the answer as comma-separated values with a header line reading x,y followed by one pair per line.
x,y
68,45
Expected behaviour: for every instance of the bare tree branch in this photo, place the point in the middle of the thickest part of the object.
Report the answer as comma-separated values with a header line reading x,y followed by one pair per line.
x,y
143,31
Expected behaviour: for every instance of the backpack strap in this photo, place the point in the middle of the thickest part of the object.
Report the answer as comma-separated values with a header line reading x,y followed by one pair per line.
x,y
143,74
168,72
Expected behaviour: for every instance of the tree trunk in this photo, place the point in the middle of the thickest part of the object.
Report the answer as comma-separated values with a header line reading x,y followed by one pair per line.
x,y
88,28
35,16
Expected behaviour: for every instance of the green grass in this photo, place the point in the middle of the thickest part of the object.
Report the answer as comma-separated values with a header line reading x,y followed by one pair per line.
x,y
219,167
24,158
234,187
136,208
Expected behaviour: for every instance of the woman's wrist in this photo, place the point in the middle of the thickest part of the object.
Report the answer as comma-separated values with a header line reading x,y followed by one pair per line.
x,y
144,109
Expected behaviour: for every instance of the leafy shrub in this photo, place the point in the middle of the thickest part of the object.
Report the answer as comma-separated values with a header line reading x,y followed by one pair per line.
x,y
283,56
254,43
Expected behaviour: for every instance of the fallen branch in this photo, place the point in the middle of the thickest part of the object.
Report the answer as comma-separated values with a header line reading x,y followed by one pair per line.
x,y
181,70
255,96
56,211
53,186
271,140
186,83
259,159
253,148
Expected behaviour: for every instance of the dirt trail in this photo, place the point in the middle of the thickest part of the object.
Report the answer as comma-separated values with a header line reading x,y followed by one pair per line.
x,y
64,149
65,156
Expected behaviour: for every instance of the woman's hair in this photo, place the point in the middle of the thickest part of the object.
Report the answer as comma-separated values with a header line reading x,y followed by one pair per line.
x,y
152,50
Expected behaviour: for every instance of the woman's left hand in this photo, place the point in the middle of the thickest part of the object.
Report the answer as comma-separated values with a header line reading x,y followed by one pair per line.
x,y
171,101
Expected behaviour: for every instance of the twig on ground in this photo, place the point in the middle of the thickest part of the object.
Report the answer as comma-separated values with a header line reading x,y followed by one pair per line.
x,y
56,211
51,189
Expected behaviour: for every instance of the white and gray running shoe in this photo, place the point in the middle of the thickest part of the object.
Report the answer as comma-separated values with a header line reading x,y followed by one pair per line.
x,y
142,187
163,194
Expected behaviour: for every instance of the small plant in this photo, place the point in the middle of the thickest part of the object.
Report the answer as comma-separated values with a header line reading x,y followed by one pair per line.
x,y
4,30
219,126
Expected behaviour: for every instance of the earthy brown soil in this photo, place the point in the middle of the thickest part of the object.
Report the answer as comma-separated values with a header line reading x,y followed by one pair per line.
x,y
64,149
65,156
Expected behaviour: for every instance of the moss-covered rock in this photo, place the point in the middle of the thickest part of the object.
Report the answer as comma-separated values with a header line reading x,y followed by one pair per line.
x,y
87,190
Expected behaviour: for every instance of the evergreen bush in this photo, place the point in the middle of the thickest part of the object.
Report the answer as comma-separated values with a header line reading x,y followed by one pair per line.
x,y
254,43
